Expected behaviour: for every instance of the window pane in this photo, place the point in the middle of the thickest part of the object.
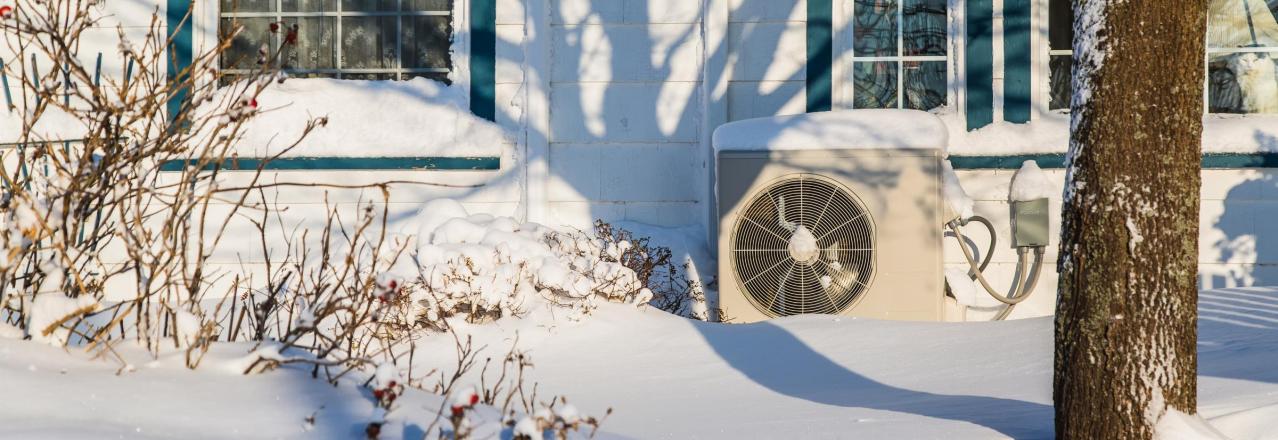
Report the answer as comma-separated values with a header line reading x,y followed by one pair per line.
x,y
1242,83
428,5
874,84
924,27
229,6
874,28
243,53
1242,23
314,48
1223,95
1060,28
309,5
368,42
368,5
426,41
924,84
1060,81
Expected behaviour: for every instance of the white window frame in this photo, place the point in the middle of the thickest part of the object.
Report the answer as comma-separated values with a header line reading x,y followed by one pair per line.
x,y
843,85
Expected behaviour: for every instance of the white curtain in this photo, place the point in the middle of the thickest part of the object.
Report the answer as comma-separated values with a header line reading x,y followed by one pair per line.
x,y
1241,23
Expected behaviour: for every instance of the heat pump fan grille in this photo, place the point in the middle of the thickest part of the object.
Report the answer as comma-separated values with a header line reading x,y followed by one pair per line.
x,y
804,244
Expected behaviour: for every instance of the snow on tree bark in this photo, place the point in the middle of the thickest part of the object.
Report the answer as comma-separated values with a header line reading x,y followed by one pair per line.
x,y
1126,314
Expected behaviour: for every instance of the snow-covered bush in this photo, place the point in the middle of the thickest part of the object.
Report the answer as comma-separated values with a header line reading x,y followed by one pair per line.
x,y
101,237
483,267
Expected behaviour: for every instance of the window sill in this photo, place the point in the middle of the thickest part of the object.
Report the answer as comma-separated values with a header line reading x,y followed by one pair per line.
x,y
419,163
1049,134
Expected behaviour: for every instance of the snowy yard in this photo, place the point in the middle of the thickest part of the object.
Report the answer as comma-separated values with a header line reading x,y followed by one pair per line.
x,y
665,376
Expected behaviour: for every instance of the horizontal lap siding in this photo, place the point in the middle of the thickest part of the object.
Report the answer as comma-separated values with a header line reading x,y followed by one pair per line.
x,y
625,105
1237,244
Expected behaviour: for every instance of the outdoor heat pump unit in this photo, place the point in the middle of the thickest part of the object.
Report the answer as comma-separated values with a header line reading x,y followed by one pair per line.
x,y
834,213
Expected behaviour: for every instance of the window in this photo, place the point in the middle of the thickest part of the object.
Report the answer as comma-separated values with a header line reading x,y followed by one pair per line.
x,y
1060,36
899,54
1242,46
1242,49
355,39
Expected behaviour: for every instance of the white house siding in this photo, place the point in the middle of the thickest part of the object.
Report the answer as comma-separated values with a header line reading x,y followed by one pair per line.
x,y
767,53
624,109
611,105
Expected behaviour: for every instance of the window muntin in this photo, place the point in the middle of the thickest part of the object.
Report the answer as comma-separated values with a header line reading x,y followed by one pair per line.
x,y
353,39
1242,52
895,36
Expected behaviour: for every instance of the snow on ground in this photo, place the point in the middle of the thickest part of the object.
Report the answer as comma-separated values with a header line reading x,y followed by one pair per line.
x,y
52,394
667,377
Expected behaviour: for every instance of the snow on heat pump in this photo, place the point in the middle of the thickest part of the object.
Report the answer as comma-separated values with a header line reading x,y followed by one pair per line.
x,y
833,213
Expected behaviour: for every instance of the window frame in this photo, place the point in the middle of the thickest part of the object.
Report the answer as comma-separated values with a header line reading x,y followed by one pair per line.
x,y
844,41
207,18
1041,74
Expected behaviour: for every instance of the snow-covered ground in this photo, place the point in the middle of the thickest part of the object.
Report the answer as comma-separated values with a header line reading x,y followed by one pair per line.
x,y
666,377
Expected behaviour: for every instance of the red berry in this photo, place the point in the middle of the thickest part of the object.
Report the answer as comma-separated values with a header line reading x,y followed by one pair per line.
x,y
391,384
458,410
474,398
377,394
6,11
275,27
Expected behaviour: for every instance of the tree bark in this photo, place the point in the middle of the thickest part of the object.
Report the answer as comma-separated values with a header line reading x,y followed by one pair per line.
x,y
1126,315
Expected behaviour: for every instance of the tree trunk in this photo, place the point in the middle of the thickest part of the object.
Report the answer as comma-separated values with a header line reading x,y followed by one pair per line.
x,y
1126,316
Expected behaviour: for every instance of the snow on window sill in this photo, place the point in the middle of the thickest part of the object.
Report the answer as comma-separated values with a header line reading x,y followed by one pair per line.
x,y
1049,133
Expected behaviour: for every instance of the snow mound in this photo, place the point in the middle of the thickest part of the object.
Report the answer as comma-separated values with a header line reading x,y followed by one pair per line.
x,y
497,266
9,332
1249,424
1029,183
1176,425
417,117
50,311
847,129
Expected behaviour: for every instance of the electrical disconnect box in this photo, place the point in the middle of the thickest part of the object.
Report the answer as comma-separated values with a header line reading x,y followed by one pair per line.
x,y
1029,221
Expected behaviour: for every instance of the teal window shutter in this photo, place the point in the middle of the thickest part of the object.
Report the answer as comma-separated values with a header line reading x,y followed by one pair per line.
x,y
1016,61
483,58
179,30
978,50
820,36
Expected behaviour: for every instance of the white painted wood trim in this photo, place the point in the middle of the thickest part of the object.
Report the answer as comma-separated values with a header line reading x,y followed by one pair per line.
x,y
998,54
716,71
958,59
1040,71
536,152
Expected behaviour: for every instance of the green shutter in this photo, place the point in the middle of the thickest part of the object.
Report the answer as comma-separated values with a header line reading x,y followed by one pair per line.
x,y
1016,61
978,52
483,58
820,36
179,30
